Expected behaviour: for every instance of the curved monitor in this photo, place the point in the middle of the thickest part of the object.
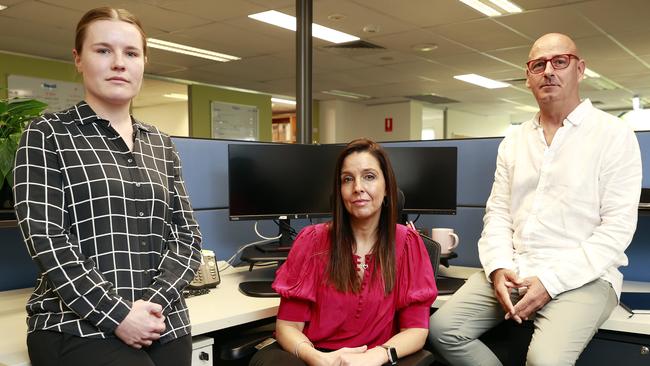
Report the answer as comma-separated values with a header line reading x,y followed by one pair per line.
x,y
287,181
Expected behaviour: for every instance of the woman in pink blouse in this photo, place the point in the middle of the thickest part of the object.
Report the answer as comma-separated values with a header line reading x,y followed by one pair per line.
x,y
357,290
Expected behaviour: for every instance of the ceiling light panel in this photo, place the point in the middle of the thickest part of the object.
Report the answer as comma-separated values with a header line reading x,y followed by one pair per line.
x,y
188,50
283,101
506,5
342,93
477,5
481,81
289,22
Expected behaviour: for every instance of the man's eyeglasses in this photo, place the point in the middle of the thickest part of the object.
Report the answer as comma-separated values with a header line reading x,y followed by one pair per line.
x,y
558,62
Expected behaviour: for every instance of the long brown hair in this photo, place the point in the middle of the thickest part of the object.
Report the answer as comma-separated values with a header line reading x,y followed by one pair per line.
x,y
106,13
341,267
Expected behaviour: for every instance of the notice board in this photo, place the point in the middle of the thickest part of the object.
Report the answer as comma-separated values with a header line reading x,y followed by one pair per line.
x,y
234,121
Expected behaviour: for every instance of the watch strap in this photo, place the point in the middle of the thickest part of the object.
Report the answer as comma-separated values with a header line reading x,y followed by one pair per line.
x,y
392,354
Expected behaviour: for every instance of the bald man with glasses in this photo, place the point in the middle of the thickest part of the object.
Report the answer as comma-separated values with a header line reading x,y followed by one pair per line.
x,y
562,211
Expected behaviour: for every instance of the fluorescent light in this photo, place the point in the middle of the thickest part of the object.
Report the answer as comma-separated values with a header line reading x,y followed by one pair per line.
x,y
283,101
176,96
191,51
636,103
341,93
481,81
527,108
507,6
477,5
289,22
3,7
591,73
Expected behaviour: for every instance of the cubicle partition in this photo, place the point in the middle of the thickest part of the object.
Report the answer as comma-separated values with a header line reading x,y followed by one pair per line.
x,y
205,173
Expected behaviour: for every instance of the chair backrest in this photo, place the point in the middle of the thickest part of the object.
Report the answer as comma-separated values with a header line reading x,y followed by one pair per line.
x,y
432,246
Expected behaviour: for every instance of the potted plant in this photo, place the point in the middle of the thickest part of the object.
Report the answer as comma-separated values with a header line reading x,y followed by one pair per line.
x,y
14,116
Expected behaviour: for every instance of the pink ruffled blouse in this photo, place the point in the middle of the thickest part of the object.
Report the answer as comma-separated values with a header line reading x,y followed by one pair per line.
x,y
335,319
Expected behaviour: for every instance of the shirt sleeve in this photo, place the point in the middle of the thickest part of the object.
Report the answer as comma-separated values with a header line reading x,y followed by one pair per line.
x,y
495,247
182,255
44,222
620,187
416,283
296,279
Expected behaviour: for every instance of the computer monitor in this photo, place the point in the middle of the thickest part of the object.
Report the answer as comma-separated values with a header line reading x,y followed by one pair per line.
x,y
280,181
427,176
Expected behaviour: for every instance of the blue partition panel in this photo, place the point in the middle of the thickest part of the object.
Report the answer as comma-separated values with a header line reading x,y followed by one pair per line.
x,y
205,171
17,270
644,145
638,252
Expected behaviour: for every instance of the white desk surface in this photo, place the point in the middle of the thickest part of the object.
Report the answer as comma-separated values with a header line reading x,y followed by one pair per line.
x,y
225,307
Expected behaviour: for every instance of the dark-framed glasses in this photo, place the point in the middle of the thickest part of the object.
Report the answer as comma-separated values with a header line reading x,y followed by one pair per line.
x,y
559,62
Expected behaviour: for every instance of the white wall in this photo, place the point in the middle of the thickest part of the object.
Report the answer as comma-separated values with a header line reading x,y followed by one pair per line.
x,y
171,118
342,121
464,124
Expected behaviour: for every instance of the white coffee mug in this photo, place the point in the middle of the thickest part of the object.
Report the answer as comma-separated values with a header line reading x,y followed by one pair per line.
x,y
446,237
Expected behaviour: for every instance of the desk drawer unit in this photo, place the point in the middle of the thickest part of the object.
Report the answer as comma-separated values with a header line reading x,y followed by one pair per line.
x,y
202,351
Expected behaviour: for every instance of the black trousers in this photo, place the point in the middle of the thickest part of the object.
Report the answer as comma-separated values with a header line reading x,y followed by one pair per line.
x,y
48,348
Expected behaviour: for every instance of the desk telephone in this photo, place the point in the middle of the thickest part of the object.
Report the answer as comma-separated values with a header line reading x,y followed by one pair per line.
x,y
207,276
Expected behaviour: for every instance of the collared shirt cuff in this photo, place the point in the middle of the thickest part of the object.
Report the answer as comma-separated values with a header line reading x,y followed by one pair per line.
x,y
494,265
551,283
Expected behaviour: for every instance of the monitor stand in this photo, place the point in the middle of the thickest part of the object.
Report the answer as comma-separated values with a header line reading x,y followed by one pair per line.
x,y
263,288
258,289
282,245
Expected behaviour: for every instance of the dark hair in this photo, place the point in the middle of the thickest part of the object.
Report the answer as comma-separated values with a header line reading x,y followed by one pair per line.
x,y
106,13
341,266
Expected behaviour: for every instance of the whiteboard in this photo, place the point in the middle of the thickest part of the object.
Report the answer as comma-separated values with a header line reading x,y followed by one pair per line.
x,y
234,121
58,94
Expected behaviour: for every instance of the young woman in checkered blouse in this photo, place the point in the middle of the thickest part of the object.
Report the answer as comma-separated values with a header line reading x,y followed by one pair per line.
x,y
105,216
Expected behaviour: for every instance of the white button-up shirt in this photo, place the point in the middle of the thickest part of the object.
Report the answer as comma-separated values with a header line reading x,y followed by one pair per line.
x,y
565,212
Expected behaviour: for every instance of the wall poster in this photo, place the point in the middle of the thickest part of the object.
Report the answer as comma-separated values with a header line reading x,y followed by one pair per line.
x,y
57,94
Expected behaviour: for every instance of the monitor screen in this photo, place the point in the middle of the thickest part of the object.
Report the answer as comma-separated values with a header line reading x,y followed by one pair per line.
x,y
271,181
427,176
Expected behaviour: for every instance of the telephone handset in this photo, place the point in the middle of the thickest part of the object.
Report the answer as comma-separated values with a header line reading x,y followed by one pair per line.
x,y
207,276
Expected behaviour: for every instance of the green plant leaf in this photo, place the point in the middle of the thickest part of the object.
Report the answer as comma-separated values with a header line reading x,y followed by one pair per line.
x,y
7,153
14,115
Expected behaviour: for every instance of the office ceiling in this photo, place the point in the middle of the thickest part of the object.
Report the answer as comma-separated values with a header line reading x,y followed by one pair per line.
x,y
613,37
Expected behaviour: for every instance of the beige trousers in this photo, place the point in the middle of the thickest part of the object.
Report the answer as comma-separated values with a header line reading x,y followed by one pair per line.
x,y
563,327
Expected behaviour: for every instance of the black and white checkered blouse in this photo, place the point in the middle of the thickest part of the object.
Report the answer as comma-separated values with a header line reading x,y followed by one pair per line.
x,y
106,226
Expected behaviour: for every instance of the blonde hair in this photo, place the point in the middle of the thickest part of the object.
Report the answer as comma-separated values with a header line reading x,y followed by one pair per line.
x,y
106,13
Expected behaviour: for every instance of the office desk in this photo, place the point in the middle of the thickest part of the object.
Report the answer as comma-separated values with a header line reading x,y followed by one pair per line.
x,y
222,308
225,307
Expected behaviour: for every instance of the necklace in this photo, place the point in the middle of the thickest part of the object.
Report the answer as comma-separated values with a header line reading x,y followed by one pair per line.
x,y
362,263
